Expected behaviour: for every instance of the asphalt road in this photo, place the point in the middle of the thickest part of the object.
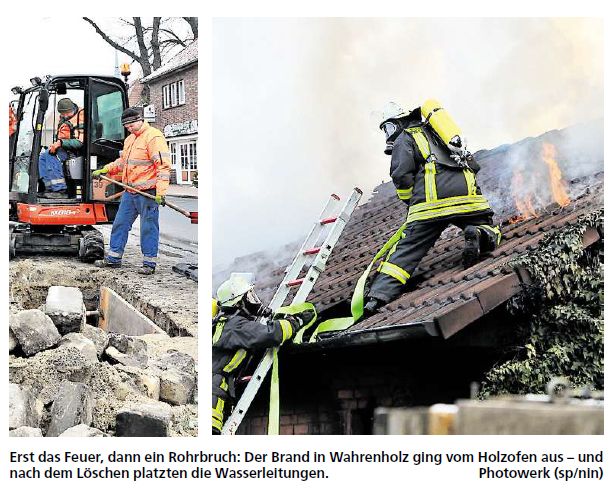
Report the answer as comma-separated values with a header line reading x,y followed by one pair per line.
x,y
178,235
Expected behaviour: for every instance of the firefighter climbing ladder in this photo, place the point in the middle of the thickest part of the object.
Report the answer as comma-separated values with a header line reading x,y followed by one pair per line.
x,y
320,254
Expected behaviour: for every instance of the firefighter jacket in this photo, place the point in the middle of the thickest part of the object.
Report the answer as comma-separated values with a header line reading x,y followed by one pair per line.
x,y
433,184
234,337
145,161
71,130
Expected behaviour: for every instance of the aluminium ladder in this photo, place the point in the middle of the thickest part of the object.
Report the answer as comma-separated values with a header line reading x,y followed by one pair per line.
x,y
305,284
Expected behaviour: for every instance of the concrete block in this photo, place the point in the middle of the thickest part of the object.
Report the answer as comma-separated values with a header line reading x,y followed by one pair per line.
x,y
35,331
78,341
25,431
17,406
82,430
148,383
174,360
98,337
143,421
72,406
66,308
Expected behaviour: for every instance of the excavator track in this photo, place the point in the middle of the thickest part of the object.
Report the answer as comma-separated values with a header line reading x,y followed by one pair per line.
x,y
91,245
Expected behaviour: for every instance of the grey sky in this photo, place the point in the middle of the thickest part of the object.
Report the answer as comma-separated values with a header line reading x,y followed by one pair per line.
x,y
293,100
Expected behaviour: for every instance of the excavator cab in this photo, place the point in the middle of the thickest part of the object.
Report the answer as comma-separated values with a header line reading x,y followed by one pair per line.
x,y
54,201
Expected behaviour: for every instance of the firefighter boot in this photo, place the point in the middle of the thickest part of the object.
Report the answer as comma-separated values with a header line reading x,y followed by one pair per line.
x,y
372,306
471,252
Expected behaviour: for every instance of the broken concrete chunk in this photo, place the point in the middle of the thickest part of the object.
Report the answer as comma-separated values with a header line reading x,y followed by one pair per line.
x,y
178,361
18,402
143,421
66,308
78,341
146,382
72,406
82,430
126,350
12,341
98,337
25,431
177,387
35,331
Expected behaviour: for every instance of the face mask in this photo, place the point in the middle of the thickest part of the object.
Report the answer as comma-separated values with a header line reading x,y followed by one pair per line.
x,y
391,130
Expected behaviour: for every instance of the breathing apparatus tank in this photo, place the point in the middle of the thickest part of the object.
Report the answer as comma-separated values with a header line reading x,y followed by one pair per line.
x,y
445,128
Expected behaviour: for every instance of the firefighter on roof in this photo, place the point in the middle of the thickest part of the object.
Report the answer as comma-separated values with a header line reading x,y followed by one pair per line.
x,y
435,176
236,332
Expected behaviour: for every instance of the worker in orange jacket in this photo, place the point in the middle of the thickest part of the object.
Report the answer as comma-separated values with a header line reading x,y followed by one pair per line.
x,y
144,164
71,127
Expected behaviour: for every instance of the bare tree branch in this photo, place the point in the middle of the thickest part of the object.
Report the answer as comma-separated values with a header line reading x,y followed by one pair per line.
x,y
145,61
154,43
193,22
111,41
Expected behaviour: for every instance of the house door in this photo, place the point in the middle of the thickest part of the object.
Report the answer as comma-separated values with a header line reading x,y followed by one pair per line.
x,y
185,154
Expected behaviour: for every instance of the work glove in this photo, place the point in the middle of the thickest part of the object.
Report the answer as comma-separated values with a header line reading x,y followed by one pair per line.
x,y
296,323
97,173
160,200
54,147
305,317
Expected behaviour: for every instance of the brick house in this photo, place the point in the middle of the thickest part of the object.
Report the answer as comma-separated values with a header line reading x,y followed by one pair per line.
x,y
173,108
445,331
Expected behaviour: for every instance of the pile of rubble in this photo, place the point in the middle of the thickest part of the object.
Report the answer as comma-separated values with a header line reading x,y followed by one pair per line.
x,y
69,378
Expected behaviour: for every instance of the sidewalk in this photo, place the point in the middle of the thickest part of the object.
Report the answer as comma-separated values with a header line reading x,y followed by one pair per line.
x,y
187,191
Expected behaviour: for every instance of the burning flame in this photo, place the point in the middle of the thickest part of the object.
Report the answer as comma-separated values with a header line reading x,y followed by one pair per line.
x,y
559,192
524,203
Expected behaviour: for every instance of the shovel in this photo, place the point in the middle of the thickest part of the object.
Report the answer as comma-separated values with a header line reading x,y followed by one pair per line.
x,y
193,215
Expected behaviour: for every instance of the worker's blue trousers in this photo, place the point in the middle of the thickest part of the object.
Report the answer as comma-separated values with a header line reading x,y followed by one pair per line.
x,y
130,207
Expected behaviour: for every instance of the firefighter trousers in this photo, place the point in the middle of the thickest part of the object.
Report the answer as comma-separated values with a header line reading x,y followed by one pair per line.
x,y
130,207
418,237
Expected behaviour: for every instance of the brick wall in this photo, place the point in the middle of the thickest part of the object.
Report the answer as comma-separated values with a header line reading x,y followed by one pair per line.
x,y
336,391
178,114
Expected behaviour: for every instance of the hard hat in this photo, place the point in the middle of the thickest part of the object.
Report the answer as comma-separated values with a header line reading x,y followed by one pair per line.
x,y
391,110
65,105
214,307
232,291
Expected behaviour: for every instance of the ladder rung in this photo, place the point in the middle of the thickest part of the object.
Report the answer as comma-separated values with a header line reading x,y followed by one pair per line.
x,y
327,221
295,282
312,251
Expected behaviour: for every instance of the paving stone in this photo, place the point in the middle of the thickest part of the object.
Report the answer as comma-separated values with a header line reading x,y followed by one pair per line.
x,y
25,431
177,387
66,308
72,406
98,337
148,383
35,331
83,430
82,343
151,420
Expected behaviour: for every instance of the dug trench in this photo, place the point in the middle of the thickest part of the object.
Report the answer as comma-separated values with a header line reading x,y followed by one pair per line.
x,y
74,374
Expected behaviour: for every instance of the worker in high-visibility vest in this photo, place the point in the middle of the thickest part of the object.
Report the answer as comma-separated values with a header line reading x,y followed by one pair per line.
x,y
144,164
236,332
437,180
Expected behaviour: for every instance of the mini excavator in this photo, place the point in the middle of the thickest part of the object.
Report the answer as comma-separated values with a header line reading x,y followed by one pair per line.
x,y
42,222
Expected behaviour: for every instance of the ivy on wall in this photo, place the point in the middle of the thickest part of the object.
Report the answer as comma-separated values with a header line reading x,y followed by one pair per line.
x,y
559,318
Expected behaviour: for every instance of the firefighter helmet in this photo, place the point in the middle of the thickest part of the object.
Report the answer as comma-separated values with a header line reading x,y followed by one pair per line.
x,y
232,291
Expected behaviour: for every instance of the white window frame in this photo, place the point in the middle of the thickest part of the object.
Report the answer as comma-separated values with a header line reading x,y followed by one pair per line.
x,y
181,93
174,94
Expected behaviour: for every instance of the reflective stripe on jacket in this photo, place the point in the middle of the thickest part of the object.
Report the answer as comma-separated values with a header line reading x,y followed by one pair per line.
x,y
428,180
145,161
71,130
